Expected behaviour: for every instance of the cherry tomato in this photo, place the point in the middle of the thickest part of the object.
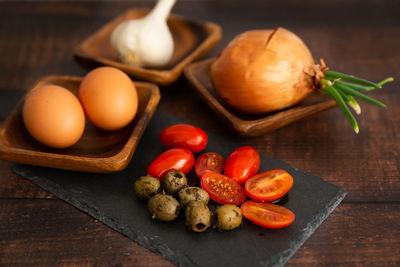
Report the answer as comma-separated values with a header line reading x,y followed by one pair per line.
x,y
267,215
180,159
269,186
242,163
184,136
209,161
222,189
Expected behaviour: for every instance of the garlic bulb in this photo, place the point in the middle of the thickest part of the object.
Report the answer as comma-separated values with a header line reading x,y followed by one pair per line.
x,y
145,42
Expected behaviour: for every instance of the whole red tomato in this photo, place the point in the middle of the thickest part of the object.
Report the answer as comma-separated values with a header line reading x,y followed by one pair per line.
x,y
242,163
209,161
184,136
180,159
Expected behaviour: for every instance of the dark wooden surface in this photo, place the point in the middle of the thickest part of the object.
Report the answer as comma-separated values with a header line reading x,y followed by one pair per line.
x,y
358,37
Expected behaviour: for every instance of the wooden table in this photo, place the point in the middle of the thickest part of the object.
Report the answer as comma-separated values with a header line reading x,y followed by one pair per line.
x,y
358,37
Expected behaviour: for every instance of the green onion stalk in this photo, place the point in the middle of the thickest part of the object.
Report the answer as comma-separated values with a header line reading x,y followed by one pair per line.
x,y
345,89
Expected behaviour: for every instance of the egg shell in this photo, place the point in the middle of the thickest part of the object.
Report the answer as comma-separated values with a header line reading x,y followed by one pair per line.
x,y
109,98
54,116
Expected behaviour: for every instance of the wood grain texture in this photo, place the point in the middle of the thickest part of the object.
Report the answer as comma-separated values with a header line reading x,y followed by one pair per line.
x,y
346,238
53,233
358,37
14,186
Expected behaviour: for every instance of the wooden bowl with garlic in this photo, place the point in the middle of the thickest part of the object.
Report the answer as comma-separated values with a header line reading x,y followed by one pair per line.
x,y
151,45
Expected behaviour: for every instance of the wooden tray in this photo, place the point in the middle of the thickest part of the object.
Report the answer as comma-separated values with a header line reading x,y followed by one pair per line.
x,y
97,150
198,74
192,39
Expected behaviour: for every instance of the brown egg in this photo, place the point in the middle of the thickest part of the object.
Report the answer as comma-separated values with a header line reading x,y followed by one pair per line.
x,y
53,116
109,98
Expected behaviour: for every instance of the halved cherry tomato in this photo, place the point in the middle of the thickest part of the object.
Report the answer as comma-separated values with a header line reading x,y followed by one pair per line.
x,y
242,163
180,159
209,161
269,186
184,136
222,189
267,215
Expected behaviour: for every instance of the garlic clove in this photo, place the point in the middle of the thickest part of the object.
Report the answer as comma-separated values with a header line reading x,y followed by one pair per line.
x,y
145,42
162,9
156,44
124,41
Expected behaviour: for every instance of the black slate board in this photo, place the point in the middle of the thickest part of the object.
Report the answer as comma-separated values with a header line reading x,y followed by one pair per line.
x,y
110,199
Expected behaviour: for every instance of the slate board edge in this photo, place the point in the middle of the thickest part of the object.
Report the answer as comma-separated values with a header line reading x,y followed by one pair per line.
x,y
313,225
176,257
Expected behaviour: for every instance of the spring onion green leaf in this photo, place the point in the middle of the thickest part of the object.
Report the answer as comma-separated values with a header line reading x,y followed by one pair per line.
x,y
350,101
330,90
350,78
350,91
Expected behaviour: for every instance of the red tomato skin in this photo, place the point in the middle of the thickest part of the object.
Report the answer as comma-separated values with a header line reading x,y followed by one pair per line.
x,y
235,196
279,179
180,159
242,163
184,136
270,215
209,161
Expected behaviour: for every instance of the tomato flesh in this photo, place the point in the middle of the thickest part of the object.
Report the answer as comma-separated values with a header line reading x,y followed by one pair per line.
x,y
209,161
242,163
222,189
180,159
184,136
269,186
267,215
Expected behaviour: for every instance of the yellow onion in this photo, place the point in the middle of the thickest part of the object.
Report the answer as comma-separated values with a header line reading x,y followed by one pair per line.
x,y
262,71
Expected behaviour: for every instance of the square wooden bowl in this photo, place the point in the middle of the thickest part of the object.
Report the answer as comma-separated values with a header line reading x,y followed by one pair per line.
x,y
97,151
192,40
198,74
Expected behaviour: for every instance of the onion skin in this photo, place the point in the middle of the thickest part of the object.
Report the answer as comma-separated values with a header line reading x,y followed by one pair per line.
x,y
262,71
